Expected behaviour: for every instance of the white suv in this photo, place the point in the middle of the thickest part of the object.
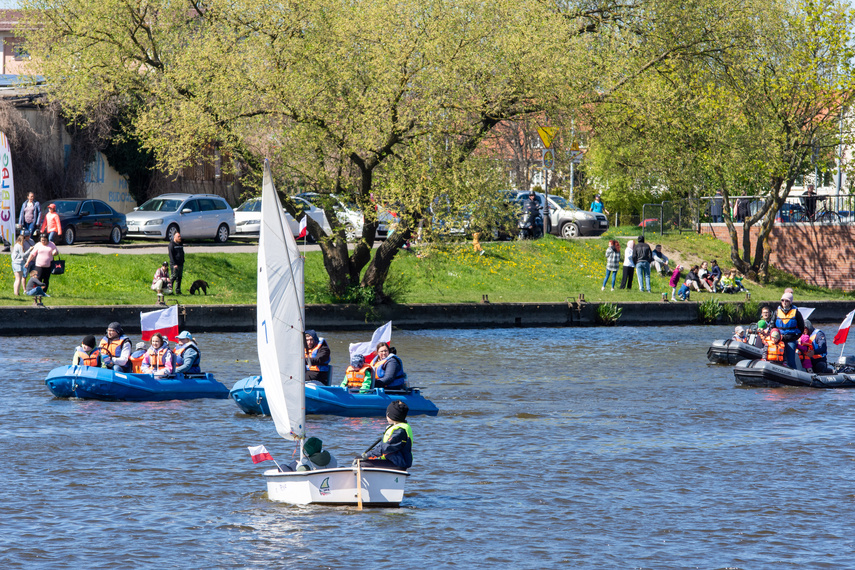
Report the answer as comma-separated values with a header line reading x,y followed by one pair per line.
x,y
196,216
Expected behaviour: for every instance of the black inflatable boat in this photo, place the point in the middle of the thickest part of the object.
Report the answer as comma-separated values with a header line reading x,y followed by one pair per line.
x,y
732,351
763,374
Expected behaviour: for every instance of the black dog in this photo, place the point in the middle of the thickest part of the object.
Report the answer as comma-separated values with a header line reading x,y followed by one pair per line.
x,y
197,285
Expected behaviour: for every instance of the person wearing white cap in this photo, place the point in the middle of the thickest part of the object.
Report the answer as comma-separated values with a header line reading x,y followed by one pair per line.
x,y
790,322
187,353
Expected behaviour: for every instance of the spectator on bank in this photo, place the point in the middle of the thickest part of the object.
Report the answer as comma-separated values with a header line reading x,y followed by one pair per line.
x,y
176,260
52,225
628,266
18,256
692,279
675,281
598,207
36,289
717,208
43,253
642,256
705,278
612,263
160,282
31,214
660,261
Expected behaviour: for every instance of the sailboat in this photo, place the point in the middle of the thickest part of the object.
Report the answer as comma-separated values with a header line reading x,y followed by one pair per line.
x,y
281,340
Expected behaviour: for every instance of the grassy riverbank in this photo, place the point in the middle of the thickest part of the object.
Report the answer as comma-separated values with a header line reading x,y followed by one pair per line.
x,y
546,270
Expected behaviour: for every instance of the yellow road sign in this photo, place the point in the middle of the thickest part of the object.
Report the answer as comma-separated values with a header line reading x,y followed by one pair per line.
x,y
547,135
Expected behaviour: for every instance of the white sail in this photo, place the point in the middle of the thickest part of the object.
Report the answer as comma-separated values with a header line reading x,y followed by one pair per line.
x,y
281,316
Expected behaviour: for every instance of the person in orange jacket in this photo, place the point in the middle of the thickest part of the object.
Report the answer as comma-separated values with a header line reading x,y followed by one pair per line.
x,y
52,224
775,348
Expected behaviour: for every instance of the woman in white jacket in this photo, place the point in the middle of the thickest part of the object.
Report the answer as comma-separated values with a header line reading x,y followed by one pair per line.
x,y
628,266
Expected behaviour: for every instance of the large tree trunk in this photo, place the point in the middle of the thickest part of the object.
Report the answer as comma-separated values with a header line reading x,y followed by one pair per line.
x,y
378,269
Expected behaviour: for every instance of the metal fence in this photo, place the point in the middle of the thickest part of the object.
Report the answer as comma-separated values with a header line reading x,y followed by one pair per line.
x,y
665,217
798,209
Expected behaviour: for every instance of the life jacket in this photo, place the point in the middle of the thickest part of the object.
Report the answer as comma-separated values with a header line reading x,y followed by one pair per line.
x,y
136,363
400,375
786,322
314,354
817,355
740,338
89,358
157,359
179,350
403,458
775,351
355,377
114,347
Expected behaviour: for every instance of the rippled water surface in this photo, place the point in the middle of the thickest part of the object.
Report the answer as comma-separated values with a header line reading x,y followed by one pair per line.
x,y
611,448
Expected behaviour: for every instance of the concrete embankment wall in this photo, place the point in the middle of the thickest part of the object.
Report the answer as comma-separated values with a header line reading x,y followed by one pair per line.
x,y
822,255
241,318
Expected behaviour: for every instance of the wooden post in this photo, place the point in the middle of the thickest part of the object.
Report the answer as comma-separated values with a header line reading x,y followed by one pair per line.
x,y
358,484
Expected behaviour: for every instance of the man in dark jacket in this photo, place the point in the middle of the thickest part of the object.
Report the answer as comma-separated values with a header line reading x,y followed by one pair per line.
x,y
176,260
395,450
642,255
317,359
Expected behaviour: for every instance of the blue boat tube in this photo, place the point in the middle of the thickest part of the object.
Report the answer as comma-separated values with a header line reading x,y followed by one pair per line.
x,y
92,383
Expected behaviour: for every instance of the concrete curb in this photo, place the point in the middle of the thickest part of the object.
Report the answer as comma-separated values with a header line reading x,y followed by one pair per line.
x,y
27,321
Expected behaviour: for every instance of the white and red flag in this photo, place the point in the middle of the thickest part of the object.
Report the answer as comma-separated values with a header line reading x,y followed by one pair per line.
x,y
366,349
843,331
259,453
302,228
164,321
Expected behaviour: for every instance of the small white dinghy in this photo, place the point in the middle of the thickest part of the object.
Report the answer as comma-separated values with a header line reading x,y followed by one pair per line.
x,y
281,339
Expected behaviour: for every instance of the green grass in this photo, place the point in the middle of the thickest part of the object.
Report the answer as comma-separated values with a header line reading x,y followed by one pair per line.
x,y
545,270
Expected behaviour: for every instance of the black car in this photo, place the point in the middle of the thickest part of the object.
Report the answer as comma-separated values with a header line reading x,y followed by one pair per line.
x,y
84,219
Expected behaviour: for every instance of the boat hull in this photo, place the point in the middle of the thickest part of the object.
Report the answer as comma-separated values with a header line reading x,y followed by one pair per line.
x,y
732,351
103,384
380,487
249,395
763,374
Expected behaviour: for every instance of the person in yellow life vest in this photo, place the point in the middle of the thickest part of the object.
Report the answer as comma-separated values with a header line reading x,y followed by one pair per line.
x,y
359,375
136,358
86,354
317,359
116,349
158,358
789,321
395,449
775,348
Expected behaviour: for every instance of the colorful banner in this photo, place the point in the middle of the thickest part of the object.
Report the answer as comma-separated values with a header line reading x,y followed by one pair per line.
x,y
7,192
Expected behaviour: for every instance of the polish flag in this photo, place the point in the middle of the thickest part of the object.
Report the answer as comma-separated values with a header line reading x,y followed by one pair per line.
x,y
366,349
164,321
302,227
843,331
259,454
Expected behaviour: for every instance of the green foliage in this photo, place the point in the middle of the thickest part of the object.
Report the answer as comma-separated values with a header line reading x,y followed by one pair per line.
x,y
710,311
608,314
125,153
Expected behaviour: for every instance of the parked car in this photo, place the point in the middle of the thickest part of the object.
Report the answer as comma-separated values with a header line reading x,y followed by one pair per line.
x,y
196,216
248,217
566,220
84,219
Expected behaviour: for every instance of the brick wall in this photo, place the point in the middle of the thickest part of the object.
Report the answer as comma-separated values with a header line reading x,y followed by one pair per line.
x,y
822,255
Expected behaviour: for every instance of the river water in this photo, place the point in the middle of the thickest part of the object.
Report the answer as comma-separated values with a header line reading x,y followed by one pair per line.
x,y
582,447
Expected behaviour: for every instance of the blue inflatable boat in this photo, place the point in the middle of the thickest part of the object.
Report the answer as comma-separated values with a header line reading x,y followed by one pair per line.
x,y
92,383
333,400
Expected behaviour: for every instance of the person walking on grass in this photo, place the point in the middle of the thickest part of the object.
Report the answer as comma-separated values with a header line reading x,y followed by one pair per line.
x,y
612,263
19,253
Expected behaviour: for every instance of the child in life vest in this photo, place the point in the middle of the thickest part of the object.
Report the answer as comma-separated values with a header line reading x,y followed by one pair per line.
x,y
775,348
805,351
739,334
358,375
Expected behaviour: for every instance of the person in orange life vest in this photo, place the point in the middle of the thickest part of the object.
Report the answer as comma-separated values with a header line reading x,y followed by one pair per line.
x,y
317,359
116,349
739,334
359,375
158,358
52,224
789,321
188,358
135,361
395,450
388,369
775,348
86,354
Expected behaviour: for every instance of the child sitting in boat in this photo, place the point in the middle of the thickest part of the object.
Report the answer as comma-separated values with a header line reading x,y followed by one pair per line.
x,y
158,358
87,354
359,375
137,357
805,351
316,457
739,334
775,348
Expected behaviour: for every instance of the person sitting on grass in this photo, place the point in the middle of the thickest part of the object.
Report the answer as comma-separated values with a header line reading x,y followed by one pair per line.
x,y
35,288
161,282
158,358
660,261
